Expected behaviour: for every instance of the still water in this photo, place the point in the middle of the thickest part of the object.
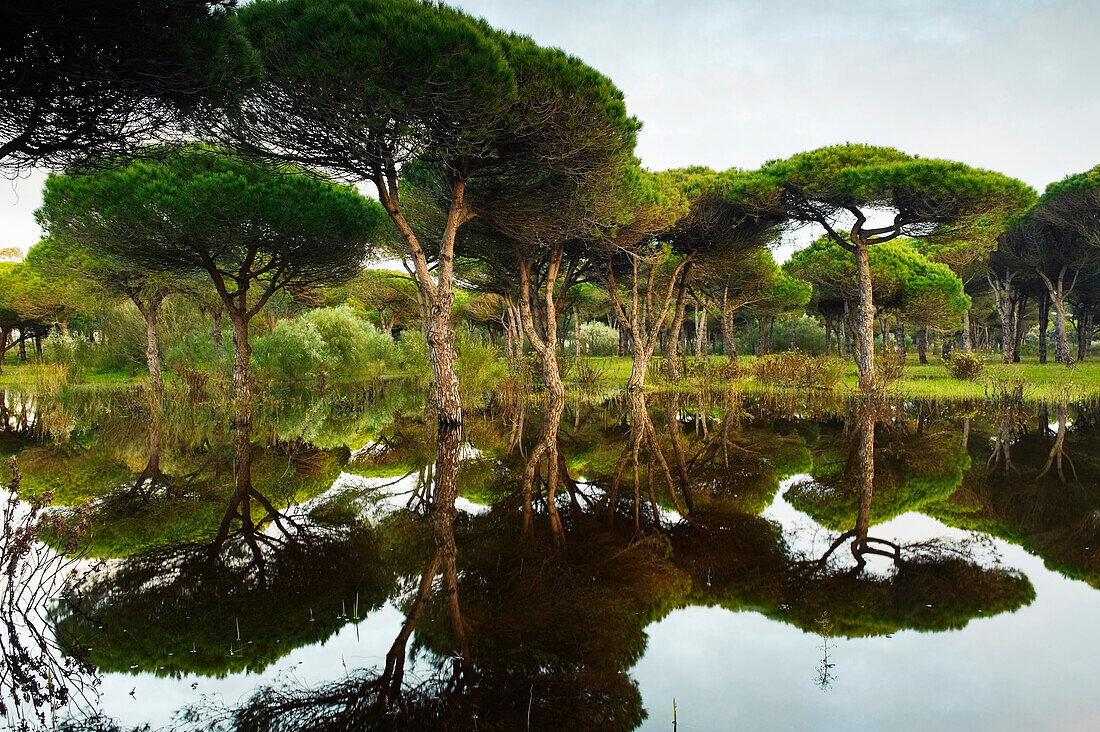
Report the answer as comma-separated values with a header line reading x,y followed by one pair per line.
x,y
784,561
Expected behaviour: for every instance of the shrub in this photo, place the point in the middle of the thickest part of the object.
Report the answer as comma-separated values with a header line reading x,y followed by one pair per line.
x,y
800,370
964,366
480,370
888,369
599,339
294,347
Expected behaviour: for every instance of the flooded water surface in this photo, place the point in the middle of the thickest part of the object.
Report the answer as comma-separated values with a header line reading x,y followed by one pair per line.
x,y
639,562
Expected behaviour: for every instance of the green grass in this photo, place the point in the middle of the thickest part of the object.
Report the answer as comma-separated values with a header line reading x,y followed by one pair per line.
x,y
1042,381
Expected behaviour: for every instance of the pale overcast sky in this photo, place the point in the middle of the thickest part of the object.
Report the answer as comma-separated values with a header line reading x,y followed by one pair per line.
x,y
1013,86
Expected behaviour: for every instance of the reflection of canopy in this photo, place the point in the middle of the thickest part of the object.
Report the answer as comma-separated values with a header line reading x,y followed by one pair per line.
x,y
178,611
910,472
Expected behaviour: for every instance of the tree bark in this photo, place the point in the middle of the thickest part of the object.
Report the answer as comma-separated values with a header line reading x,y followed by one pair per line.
x,y
149,310
1019,328
216,333
577,331
864,323
673,354
242,354
967,345
1057,290
922,345
729,330
1002,295
1044,324
899,337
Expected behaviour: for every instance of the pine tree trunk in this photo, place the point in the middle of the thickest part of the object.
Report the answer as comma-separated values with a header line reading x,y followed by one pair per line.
x,y
899,336
22,346
216,332
1019,329
864,324
967,345
922,345
577,330
149,310
1044,324
242,354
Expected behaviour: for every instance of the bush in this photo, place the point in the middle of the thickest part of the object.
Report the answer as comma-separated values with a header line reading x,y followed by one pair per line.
x,y
293,347
800,370
352,347
964,366
599,339
65,350
887,368
479,368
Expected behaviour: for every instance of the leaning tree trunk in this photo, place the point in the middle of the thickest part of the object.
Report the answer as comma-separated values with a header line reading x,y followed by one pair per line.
x,y
864,322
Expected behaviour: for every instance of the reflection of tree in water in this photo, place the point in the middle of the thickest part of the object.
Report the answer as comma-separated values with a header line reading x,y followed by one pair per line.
x,y
37,678
281,586
1055,519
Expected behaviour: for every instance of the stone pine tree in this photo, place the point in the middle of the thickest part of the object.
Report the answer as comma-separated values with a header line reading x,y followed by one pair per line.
x,y
250,230
842,187
102,77
361,87
103,278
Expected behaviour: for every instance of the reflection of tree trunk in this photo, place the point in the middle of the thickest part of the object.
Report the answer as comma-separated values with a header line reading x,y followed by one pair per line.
x,y
864,448
1002,443
394,673
448,453
547,445
1058,450
642,435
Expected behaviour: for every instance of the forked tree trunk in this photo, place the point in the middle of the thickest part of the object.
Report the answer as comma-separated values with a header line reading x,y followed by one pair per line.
x,y
1057,290
1002,295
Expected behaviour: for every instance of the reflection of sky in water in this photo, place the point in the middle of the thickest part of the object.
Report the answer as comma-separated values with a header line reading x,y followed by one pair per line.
x,y
155,699
1031,669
